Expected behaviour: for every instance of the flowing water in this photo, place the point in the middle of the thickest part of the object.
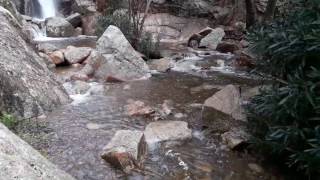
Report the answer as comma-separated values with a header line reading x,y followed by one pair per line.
x,y
48,8
80,130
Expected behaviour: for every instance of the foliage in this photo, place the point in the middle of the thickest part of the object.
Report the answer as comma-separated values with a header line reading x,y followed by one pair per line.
x,y
8,120
285,118
288,43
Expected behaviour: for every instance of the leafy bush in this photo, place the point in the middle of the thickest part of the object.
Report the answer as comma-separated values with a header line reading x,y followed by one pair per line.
x,y
8,120
285,118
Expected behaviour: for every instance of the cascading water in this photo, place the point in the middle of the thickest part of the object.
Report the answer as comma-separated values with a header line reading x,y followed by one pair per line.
x,y
48,8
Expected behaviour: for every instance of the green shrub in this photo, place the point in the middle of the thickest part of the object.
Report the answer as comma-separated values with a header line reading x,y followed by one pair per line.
x,y
8,120
285,118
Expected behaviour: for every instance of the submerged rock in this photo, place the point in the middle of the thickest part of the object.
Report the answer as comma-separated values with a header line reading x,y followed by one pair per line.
x,y
138,108
18,160
227,101
125,150
27,87
169,132
120,59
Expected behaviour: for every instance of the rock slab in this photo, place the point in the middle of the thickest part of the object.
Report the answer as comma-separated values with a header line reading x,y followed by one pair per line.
x,y
18,160
27,87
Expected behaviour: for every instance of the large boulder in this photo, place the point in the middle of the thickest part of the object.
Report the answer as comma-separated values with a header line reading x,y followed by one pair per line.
x,y
27,87
228,101
120,59
18,160
212,40
59,27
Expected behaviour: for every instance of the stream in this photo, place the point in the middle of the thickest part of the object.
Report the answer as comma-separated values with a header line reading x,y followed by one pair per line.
x,y
77,132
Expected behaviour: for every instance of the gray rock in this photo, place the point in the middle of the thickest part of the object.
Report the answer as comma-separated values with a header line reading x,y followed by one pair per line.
x,y
74,55
74,19
125,149
168,132
20,161
27,87
120,59
227,101
212,40
59,27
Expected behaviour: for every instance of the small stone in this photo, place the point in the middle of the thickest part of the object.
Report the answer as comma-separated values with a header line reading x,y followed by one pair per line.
x,y
126,87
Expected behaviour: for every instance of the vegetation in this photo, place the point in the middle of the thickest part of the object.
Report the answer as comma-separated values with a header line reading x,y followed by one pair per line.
x,y
130,21
8,120
285,118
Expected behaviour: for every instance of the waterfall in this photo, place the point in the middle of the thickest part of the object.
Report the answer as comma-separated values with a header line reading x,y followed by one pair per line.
x,y
48,8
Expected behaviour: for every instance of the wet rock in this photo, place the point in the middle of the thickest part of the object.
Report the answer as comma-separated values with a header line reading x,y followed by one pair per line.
x,y
20,161
235,137
125,150
161,65
57,57
138,108
75,55
227,101
120,59
227,47
28,88
58,27
169,132
212,40
74,19
112,79
205,87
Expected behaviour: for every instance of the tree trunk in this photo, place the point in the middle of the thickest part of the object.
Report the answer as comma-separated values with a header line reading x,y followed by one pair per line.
x,y
251,16
271,7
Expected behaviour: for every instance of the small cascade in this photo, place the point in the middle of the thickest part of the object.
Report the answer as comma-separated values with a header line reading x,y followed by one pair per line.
x,y
48,8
